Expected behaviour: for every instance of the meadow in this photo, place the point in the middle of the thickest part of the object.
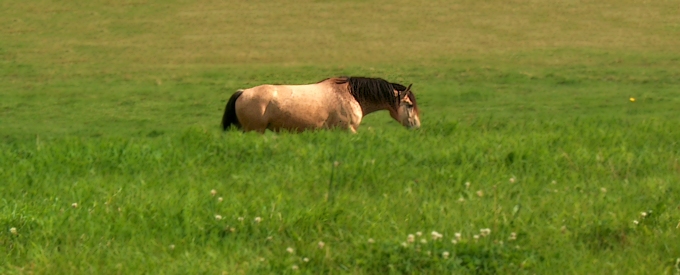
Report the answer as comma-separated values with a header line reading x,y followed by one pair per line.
x,y
549,139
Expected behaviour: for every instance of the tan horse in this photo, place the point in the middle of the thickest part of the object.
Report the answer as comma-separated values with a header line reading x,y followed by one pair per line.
x,y
331,103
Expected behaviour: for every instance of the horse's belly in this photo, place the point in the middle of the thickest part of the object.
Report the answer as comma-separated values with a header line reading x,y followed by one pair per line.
x,y
299,117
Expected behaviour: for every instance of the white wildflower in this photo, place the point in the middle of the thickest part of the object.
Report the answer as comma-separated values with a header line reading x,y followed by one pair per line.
x,y
213,192
290,250
410,238
321,244
484,232
13,230
445,254
218,217
436,235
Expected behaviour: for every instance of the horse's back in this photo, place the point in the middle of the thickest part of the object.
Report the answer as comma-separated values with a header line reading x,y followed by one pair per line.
x,y
294,107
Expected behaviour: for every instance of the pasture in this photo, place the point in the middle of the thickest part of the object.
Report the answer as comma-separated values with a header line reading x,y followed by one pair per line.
x,y
548,144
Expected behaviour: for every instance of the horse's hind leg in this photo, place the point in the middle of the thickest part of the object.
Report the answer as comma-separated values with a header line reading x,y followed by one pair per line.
x,y
257,127
255,123
252,116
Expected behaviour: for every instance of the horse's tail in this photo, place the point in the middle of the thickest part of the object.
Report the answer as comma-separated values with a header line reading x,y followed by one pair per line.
x,y
230,117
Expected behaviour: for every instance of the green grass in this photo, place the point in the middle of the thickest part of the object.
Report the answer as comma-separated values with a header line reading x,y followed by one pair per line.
x,y
115,106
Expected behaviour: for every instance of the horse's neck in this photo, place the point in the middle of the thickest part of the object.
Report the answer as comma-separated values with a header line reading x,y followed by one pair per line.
x,y
367,107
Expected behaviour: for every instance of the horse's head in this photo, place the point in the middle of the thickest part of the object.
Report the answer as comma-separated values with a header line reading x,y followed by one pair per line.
x,y
407,112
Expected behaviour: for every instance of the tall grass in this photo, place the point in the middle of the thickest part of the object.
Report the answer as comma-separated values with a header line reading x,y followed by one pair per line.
x,y
569,190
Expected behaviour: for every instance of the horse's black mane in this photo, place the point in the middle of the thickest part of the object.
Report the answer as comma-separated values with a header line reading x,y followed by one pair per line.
x,y
375,90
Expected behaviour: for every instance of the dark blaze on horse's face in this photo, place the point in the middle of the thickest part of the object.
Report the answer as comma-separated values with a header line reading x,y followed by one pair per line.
x,y
407,112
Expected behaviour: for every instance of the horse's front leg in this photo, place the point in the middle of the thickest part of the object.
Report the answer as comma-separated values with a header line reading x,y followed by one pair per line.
x,y
353,126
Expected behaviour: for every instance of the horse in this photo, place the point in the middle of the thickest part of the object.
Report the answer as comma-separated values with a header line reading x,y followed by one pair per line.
x,y
338,102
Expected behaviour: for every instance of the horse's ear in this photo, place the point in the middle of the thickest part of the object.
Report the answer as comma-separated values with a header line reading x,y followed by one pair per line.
x,y
404,93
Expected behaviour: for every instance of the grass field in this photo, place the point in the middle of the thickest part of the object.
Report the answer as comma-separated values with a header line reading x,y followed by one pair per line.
x,y
112,160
